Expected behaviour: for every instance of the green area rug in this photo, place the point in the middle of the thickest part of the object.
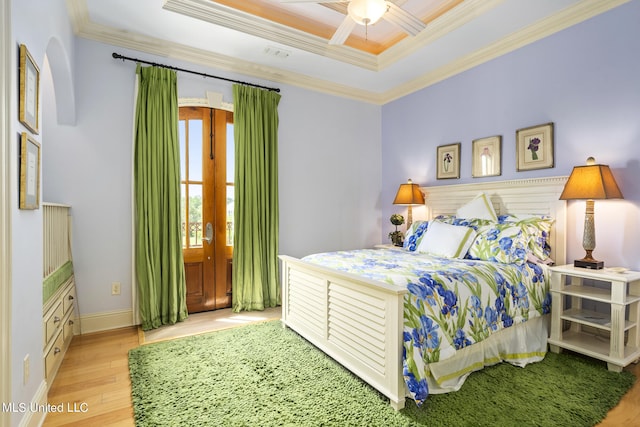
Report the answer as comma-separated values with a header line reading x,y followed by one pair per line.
x,y
264,375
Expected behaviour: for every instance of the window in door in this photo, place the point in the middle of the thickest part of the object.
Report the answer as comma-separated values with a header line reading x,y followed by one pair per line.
x,y
206,157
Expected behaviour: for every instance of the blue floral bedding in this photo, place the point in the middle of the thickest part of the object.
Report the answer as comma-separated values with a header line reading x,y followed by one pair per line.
x,y
451,303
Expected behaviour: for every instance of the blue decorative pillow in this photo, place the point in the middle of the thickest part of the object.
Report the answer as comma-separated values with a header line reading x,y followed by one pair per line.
x,y
536,228
474,223
414,235
504,243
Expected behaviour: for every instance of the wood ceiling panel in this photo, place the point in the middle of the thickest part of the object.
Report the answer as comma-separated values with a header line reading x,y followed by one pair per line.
x,y
311,24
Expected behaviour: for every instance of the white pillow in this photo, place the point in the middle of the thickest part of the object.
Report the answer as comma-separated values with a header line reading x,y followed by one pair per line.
x,y
480,207
446,240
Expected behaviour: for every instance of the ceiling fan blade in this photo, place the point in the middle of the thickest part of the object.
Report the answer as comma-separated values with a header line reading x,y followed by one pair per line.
x,y
343,31
409,23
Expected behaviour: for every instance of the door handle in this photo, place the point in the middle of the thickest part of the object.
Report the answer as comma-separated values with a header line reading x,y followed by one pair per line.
x,y
208,233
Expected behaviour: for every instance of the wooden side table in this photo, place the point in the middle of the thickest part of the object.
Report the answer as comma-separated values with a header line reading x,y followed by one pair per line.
x,y
623,292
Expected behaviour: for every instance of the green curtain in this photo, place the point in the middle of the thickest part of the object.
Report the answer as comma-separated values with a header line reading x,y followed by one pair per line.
x,y
158,243
255,246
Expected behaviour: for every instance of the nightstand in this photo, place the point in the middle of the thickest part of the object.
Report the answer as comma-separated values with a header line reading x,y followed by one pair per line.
x,y
623,291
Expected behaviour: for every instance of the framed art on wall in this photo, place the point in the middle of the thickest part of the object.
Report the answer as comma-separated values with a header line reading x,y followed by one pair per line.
x,y
448,161
486,156
29,172
534,147
29,90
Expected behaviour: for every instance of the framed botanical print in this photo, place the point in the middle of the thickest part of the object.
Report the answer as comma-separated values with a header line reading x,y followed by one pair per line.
x,y
29,90
486,156
448,161
29,172
534,147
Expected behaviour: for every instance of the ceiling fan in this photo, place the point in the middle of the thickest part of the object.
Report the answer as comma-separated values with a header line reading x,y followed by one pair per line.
x,y
368,12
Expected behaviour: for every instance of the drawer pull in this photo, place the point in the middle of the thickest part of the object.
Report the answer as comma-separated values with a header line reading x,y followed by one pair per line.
x,y
56,319
70,322
70,297
56,350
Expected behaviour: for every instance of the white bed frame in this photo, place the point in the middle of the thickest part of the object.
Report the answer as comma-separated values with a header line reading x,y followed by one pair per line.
x,y
359,322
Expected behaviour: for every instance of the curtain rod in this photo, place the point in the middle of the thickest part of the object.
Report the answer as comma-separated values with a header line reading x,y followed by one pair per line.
x,y
118,56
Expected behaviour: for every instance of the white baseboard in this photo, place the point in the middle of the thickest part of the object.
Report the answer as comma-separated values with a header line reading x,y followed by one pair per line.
x,y
106,320
35,414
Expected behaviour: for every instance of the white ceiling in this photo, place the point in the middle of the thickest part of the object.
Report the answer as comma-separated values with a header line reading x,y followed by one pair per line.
x,y
209,33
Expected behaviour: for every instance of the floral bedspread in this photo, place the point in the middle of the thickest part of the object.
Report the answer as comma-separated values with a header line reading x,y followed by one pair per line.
x,y
451,303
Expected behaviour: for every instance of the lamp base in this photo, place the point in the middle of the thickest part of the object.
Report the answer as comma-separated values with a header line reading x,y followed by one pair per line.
x,y
589,263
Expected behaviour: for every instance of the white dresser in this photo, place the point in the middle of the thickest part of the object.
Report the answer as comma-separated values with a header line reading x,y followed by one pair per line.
x,y
58,325
58,288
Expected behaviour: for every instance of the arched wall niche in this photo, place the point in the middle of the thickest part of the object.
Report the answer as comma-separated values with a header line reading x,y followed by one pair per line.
x,y
62,81
58,116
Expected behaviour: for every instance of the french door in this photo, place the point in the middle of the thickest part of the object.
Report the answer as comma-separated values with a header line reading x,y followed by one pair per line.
x,y
206,174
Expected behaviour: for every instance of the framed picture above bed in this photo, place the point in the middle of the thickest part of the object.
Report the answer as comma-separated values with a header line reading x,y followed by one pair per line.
x,y
448,161
486,156
534,147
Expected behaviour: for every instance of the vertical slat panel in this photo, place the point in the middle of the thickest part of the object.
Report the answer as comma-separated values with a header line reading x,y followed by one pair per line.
x,y
356,321
45,228
56,251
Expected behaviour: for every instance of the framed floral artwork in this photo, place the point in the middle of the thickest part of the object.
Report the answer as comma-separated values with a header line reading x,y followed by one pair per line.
x,y
29,172
29,90
448,161
534,147
486,156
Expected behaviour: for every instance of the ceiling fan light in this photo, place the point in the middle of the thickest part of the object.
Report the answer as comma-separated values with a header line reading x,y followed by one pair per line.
x,y
367,12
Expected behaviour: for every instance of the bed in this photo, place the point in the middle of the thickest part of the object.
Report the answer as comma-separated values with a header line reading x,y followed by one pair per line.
x,y
360,321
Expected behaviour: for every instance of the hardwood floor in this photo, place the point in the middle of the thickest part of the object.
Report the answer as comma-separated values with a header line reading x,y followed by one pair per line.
x,y
94,378
94,375
209,321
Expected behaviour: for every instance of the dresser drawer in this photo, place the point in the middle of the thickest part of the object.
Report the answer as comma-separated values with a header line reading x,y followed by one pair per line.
x,y
68,327
55,355
52,321
68,299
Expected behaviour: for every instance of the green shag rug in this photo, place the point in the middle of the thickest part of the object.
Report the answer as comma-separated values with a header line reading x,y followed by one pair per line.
x,y
264,375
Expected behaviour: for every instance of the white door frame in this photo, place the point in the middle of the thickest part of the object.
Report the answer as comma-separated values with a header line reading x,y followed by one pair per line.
x,y
6,58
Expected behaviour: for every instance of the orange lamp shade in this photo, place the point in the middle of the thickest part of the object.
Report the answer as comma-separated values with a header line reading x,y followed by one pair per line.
x,y
591,182
409,194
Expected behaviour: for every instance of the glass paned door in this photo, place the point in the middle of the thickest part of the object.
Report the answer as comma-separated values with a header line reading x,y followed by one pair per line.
x,y
207,205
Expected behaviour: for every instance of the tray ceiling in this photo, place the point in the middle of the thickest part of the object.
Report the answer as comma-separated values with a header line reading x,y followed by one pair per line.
x,y
288,42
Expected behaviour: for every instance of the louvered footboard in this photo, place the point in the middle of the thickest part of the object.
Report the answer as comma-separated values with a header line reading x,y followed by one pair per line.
x,y
356,321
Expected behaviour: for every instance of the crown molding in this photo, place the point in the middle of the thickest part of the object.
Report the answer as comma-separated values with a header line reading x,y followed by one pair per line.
x,y
78,14
585,9
87,29
439,27
215,13
568,17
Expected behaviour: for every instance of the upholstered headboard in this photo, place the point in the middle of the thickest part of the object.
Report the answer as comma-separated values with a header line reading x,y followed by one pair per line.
x,y
540,196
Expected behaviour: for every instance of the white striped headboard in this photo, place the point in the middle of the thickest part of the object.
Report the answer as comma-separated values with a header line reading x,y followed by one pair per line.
x,y
540,196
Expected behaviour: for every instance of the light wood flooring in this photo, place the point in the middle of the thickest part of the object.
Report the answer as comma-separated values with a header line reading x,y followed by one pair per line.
x,y
210,321
95,373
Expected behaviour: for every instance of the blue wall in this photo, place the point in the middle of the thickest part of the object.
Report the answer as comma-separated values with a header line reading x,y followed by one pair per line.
x,y
329,173
585,79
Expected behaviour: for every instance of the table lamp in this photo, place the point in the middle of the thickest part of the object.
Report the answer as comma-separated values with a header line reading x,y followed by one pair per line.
x,y
588,183
409,194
